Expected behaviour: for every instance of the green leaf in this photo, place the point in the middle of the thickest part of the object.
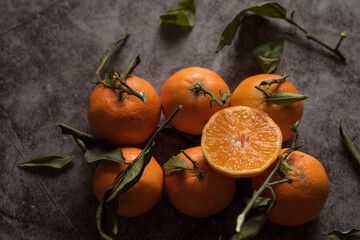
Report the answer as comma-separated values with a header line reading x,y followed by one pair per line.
x,y
269,54
295,126
94,149
254,224
183,14
270,82
350,146
48,161
251,227
100,69
109,76
174,165
124,181
110,208
261,202
337,235
133,172
286,98
266,9
130,68
224,96
287,167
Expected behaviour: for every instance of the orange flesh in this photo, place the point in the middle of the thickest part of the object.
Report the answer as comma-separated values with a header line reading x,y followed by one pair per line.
x,y
241,139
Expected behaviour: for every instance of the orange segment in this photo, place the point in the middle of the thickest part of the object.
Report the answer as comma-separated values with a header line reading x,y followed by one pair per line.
x,y
241,141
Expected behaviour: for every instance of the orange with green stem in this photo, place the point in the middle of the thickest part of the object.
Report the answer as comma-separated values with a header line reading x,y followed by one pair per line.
x,y
124,109
202,92
274,95
303,197
142,196
194,188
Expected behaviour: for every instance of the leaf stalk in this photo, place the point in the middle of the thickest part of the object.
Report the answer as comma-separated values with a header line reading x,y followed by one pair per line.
x,y
197,88
308,35
200,172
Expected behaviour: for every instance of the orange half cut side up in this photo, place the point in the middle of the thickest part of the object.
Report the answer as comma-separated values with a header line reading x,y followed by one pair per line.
x,y
241,141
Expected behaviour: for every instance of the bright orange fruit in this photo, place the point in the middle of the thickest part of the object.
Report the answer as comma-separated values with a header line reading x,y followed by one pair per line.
x,y
142,196
246,94
199,196
180,89
241,141
302,200
128,122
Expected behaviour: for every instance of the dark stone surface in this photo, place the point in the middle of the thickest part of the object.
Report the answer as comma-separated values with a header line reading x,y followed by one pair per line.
x,y
49,51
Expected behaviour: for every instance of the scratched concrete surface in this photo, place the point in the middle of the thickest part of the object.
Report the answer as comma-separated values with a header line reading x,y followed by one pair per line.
x,y
49,51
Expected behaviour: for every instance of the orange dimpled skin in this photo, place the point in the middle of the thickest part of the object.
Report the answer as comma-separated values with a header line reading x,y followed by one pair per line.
x,y
302,200
128,122
284,115
143,196
202,197
196,107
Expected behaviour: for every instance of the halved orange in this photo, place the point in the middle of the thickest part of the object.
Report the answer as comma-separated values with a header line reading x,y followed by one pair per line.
x,y
241,141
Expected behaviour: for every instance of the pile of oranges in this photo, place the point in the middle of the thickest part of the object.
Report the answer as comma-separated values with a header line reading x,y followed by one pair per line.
x,y
241,137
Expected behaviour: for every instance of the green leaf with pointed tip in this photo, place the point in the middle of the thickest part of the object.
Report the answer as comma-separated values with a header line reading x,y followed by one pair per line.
x,y
350,146
224,96
110,210
105,57
287,167
94,149
286,98
130,68
251,227
133,173
270,82
269,54
295,126
254,224
48,161
337,235
174,165
266,9
109,76
183,14
124,181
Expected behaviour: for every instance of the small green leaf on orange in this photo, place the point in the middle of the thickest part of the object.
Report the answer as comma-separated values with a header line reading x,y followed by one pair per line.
x,y
174,165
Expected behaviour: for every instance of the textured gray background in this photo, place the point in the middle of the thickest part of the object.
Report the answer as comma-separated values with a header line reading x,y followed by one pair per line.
x,y
49,51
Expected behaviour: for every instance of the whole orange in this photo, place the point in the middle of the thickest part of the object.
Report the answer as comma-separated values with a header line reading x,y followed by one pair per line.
x,y
142,196
246,94
128,122
302,200
199,196
179,90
